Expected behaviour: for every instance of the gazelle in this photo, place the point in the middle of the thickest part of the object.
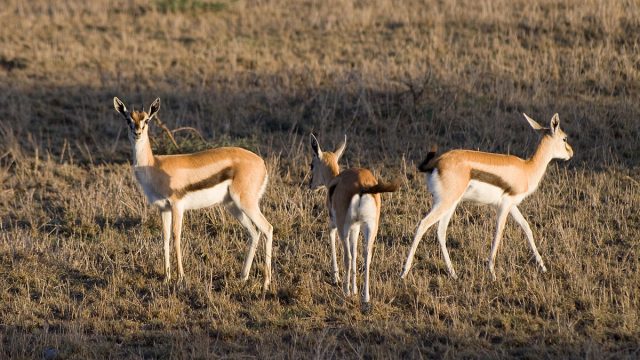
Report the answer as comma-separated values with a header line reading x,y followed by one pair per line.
x,y
232,176
494,179
353,200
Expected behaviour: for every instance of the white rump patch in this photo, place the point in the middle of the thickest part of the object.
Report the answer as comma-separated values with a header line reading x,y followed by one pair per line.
x,y
362,209
434,185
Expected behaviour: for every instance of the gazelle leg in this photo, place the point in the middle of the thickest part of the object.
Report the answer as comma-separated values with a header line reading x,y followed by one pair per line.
x,y
370,230
346,257
354,233
517,216
166,237
503,211
334,261
434,216
176,214
253,233
254,213
442,239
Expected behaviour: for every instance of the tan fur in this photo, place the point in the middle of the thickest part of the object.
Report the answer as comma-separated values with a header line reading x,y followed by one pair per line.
x,y
496,179
353,200
138,116
232,176
516,176
348,183
170,174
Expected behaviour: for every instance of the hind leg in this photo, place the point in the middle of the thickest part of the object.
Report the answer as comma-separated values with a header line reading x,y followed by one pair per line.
x,y
370,231
333,232
346,257
246,194
434,216
442,239
354,232
254,213
445,200
255,237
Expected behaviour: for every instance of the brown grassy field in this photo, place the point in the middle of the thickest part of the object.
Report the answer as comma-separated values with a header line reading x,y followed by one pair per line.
x,y
81,254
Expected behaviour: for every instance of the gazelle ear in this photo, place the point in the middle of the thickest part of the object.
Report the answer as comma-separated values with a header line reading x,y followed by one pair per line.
x,y
315,146
534,124
153,109
340,150
555,123
119,106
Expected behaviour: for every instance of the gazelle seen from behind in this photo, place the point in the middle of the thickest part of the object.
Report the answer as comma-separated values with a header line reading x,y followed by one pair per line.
x,y
232,176
353,200
494,179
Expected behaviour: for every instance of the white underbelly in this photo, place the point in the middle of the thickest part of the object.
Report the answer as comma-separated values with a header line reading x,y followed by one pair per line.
x,y
206,197
483,193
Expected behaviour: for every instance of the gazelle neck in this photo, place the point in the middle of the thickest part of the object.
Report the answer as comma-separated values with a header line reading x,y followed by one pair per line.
x,y
142,154
539,161
334,170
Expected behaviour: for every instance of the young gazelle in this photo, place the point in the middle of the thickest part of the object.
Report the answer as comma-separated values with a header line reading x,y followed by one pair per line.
x,y
353,200
174,183
494,179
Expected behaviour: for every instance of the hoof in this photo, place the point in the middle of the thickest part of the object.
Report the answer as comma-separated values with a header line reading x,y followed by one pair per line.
x,y
404,274
336,280
346,290
366,308
265,288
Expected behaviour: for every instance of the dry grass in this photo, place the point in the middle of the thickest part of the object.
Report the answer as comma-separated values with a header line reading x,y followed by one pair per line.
x,y
80,252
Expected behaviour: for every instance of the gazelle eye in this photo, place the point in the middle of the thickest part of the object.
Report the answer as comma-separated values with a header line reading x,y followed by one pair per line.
x,y
564,139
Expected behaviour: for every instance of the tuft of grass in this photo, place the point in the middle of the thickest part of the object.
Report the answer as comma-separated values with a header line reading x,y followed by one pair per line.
x,y
81,252
193,6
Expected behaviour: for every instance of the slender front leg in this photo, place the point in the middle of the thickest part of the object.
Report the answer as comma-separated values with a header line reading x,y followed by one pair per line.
x,y
166,236
334,260
517,216
503,211
353,239
370,230
176,214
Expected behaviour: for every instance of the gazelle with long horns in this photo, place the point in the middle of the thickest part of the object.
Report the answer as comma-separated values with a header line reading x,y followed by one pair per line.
x,y
353,200
232,176
499,180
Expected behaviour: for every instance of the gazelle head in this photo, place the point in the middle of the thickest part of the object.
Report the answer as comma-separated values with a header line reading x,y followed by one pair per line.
x,y
137,121
324,165
560,148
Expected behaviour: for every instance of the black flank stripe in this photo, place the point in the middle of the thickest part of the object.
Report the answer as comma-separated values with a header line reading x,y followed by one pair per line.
x,y
492,179
211,181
